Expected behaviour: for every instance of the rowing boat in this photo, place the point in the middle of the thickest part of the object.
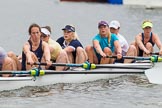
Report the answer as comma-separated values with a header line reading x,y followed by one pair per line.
x,y
77,75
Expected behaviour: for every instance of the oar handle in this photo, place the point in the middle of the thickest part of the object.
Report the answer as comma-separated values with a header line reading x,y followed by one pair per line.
x,y
111,56
153,58
124,57
54,64
59,64
85,65
154,53
37,63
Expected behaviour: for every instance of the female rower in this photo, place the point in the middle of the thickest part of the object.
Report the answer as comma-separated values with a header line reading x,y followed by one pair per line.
x,y
8,61
35,50
104,44
115,28
55,49
144,42
70,43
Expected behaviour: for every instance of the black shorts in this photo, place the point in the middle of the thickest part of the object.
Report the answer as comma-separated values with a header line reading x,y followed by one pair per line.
x,y
52,67
119,61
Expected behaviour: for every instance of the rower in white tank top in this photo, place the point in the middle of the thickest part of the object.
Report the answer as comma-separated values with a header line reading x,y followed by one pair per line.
x,y
114,28
124,44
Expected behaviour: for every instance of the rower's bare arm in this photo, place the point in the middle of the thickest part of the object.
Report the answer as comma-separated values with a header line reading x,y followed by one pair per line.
x,y
26,49
158,43
97,46
118,49
46,51
138,40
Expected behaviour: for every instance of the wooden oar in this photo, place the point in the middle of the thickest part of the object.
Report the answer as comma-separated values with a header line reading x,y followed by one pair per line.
x,y
95,66
154,58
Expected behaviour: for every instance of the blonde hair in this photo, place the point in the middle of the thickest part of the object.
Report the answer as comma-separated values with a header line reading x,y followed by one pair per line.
x,y
75,35
109,37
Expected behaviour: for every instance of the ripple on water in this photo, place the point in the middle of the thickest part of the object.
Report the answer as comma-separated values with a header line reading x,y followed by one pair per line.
x,y
99,85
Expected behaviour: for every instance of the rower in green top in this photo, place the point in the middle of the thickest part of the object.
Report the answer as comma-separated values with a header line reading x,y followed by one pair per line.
x,y
144,42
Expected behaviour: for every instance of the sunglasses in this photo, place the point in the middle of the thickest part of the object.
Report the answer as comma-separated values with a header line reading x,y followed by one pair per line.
x,y
43,35
65,31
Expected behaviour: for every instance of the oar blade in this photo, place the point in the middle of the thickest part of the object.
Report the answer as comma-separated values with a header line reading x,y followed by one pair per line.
x,y
154,74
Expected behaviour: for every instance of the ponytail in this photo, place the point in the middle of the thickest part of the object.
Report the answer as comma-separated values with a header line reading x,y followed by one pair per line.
x,y
109,37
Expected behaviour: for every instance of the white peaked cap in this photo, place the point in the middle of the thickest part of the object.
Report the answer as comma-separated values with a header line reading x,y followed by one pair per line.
x,y
45,31
114,24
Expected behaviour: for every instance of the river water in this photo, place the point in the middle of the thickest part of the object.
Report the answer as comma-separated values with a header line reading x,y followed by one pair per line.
x,y
125,91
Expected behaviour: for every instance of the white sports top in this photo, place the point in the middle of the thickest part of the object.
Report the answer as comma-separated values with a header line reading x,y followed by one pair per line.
x,y
124,44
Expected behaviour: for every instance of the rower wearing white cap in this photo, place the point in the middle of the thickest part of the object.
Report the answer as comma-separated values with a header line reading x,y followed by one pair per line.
x,y
144,42
55,48
114,28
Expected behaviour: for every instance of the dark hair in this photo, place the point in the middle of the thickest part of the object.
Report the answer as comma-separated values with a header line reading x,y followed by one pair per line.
x,y
48,28
33,25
